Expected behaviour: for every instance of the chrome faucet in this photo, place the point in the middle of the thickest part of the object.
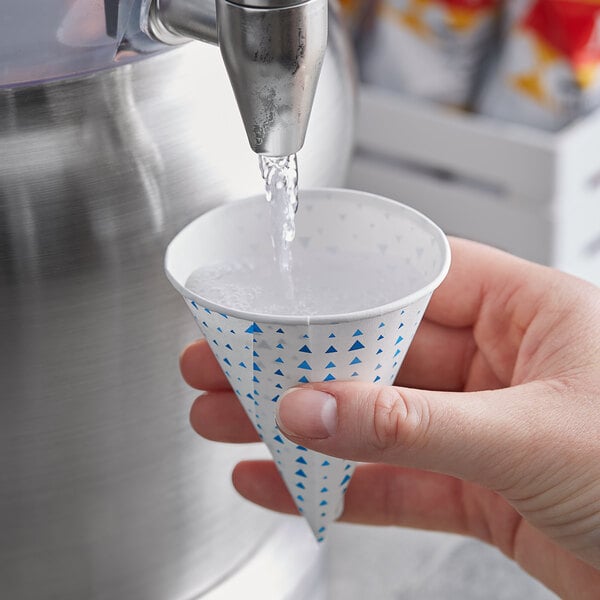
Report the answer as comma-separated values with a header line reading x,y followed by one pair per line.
x,y
273,51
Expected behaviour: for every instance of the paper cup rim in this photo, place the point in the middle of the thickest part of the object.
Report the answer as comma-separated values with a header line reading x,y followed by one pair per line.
x,y
358,315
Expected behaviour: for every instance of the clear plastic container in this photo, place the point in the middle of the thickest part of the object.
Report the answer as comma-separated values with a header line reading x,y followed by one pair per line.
x,y
50,39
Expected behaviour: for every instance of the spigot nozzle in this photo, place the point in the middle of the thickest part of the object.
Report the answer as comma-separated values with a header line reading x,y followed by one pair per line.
x,y
273,51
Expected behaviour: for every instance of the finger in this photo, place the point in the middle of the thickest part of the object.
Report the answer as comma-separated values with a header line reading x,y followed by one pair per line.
x,y
438,358
477,436
260,482
220,417
479,274
388,495
200,368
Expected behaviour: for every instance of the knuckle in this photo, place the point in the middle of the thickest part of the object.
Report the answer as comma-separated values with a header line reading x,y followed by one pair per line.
x,y
397,421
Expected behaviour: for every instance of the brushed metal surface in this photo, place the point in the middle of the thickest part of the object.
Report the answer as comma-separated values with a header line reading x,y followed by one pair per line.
x,y
274,58
105,492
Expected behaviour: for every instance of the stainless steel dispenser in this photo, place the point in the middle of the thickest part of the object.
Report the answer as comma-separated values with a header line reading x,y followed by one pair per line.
x,y
109,143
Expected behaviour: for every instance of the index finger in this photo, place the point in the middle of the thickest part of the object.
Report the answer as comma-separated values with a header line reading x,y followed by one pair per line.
x,y
478,274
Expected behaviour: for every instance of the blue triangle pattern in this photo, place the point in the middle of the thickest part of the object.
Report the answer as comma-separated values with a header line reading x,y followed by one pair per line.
x,y
300,473
279,360
381,325
330,350
345,480
330,365
331,335
254,328
356,346
329,377
300,485
325,463
278,372
301,460
304,365
376,379
280,330
255,353
380,337
355,374
355,361
275,398
357,332
280,346
226,361
379,351
301,448
400,338
306,349
279,439
243,365
256,367
303,379
228,346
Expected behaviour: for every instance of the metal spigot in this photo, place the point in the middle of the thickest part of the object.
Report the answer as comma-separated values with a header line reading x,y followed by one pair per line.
x,y
273,51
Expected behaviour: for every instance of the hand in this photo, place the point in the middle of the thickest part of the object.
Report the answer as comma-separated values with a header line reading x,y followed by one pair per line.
x,y
506,446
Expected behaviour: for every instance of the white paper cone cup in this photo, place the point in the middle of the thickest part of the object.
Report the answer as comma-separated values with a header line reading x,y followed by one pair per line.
x,y
264,355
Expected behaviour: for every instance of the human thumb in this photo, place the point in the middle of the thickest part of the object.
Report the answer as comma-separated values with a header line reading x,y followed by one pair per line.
x,y
478,436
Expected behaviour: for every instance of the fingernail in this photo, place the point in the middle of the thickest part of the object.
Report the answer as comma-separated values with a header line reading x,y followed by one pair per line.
x,y
307,413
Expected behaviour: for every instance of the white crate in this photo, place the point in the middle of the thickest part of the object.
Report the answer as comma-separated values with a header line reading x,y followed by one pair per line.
x,y
533,193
